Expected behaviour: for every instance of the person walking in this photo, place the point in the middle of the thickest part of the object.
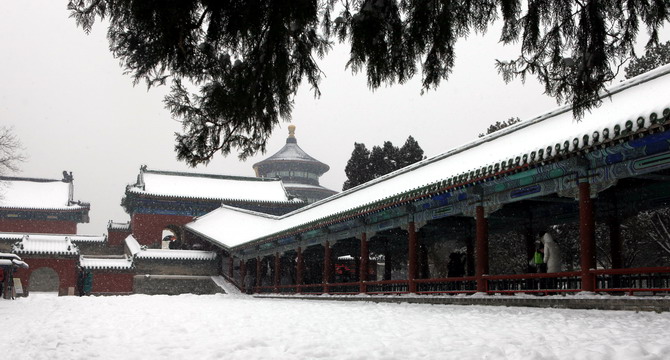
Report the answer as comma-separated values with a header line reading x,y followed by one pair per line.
x,y
552,253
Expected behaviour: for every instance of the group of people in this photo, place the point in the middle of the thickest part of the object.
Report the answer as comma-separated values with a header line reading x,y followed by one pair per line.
x,y
547,256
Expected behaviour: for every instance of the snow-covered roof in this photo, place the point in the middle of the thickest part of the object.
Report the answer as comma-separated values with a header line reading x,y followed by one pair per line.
x,y
630,101
8,259
98,263
292,153
37,244
142,252
208,186
290,186
132,245
89,238
112,225
14,263
230,226
176,254
9,256
29,193
74,238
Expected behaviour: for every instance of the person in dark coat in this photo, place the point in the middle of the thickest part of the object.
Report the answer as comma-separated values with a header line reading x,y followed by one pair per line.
x,y
456,267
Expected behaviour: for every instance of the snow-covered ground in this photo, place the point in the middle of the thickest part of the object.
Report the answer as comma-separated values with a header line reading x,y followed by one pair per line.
x,y
238,327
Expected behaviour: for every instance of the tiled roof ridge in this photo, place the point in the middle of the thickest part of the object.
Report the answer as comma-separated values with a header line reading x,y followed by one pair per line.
x,y
244,211
398,199
640,79
210,176
141,251
116,225
21,248
611,135
289,185
21,234
307,159
22,178
135,190
72,207
185,255
292,142
123,262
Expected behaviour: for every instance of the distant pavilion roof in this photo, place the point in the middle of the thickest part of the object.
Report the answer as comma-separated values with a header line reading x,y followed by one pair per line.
x,y
38,194
631,105
172,184
292,153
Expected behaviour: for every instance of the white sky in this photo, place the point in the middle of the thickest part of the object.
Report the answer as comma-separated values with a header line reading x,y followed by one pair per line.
x,y
73,109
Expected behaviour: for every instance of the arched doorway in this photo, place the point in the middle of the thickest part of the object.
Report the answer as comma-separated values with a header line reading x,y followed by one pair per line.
x,y
44,279
171,234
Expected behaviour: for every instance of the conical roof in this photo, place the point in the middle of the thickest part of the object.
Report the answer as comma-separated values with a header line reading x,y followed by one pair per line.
x,y
291,156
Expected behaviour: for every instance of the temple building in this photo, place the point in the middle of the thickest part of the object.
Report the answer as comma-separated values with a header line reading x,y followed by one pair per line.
x,y
40,205
298,171
166,200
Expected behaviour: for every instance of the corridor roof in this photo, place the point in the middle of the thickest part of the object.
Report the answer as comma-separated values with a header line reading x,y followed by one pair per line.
x,y
629,101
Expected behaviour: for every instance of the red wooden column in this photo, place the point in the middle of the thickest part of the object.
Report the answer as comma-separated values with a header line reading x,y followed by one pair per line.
x,y
482,249
258,274
277,277
326,266
243,273
412,256
615,242
299,270
587,236
365,256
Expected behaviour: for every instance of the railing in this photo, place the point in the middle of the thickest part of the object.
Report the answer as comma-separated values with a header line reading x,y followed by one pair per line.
x,y
456,285
344,288
624,281
312,289
534,283
651,279
387,287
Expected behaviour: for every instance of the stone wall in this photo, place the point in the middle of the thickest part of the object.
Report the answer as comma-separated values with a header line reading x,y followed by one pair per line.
x,y
174,285
176,267
98,248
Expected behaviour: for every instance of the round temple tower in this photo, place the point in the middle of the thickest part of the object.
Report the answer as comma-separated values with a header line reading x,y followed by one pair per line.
x,y
299,172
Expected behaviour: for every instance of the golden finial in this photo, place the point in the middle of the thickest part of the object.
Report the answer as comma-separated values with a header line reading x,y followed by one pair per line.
x,y
291,131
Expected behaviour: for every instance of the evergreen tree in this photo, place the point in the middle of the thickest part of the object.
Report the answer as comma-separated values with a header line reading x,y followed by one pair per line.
x,y
249,57
358,167
654,57
365,165
500,125
410,153
383,160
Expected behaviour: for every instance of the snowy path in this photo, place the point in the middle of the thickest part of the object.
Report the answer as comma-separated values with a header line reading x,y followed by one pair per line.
x,y
235,327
